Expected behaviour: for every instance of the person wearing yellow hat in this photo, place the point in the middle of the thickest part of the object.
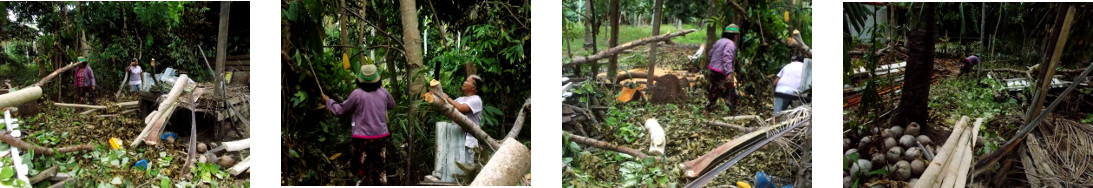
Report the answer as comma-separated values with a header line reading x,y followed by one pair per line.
x,y
368,105
722,82
85,81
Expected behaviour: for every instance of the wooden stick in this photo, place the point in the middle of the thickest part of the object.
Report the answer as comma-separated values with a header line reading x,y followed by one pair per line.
x,y
44,174
604,145
88,111
240,167
79,105
127,104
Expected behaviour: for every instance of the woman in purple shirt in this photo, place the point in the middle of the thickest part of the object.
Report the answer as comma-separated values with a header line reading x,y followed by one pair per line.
x,y
368,105
722,84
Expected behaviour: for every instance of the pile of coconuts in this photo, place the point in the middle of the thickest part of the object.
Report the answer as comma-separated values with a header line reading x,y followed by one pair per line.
x,y
895,149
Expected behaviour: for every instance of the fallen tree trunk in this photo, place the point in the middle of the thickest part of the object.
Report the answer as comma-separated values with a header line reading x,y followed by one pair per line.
x,y
618,49
6,137
19,97
506,167
520,119
604,145
236,145
79,105
800,43
46,79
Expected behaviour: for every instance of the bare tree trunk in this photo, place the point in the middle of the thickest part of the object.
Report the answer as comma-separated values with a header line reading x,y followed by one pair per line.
x,y
588,35
613,62
916,92
653,47
412,44
222,44
711,32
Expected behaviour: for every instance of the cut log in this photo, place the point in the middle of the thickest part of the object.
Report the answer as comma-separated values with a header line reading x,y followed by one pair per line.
x,y
604,145
152,137
166,108
618,49
79,105
506,167
930,177
657,141
19,97
6,137
127,104
240,167
800,43
236,145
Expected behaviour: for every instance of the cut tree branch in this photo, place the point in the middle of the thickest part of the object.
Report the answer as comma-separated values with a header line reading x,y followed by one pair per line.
x,y
604,145
618,49
6,137
520,119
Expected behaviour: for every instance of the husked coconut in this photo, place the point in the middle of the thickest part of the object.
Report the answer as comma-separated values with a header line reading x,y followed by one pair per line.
x,y
917,167
227,161
201,147
979,141
846,143
887,133
878,158
894,154
913,129
849,151
865,140
902,170
897,131
861,167
907,141
889,142
912,153
925,140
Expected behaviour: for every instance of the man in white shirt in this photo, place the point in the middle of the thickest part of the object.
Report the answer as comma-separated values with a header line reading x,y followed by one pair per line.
x,y
787,84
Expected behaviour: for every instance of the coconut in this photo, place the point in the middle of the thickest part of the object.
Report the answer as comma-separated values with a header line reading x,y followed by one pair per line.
x,y
912,153
849,151
979,141
917,167
912,129
226,161
894,154
925,140
170,140
878,158
902,170
907,141
861,167
889,142
886,133
865,140
846,143
213,145
897,131
202,158
201,147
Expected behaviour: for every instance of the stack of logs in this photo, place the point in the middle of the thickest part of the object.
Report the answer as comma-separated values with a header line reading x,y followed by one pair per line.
x,y
953,161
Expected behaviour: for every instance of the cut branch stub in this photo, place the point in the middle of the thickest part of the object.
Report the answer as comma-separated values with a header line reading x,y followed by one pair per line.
x,y
604,145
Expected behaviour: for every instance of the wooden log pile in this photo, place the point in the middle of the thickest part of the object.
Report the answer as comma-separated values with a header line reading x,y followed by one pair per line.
x,y
953,161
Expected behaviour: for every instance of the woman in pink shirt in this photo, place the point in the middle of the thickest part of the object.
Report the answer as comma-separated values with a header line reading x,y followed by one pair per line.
x,y
85,82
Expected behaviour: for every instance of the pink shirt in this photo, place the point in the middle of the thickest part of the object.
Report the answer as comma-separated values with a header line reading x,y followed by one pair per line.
x,y
369,110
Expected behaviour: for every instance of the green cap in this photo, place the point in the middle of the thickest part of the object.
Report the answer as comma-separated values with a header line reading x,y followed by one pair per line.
x,y
732,28
82,59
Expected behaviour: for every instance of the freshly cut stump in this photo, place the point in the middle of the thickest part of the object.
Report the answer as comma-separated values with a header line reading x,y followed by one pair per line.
x,y
507,166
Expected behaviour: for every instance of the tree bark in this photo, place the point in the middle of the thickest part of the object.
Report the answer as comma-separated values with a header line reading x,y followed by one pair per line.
x,y
459,119
604,145
506,167
19,97
411,37
711,32
6,137
657,4
616,50
588,19
222,44
916,92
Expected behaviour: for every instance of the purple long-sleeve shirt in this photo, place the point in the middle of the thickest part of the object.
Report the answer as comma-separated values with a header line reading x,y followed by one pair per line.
x,y
369,111
85,77
972,60
722,55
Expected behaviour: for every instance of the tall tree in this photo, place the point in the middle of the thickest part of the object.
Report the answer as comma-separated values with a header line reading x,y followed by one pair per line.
x,y
222,44
588,36
653,47
613,63
711,31
412,43
916,91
